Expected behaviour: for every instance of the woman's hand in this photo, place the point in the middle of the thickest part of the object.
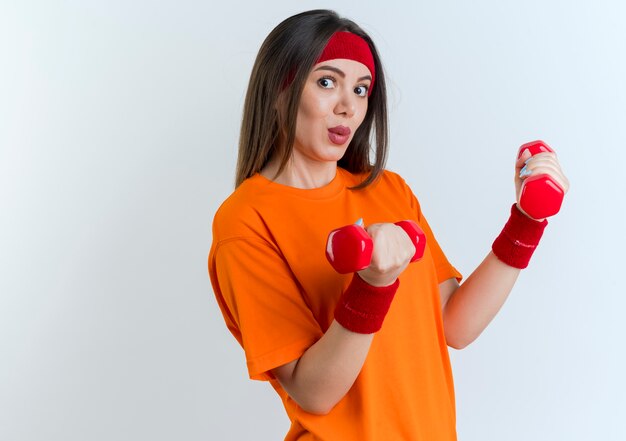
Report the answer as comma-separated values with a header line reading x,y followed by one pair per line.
x,y
392,252
541,163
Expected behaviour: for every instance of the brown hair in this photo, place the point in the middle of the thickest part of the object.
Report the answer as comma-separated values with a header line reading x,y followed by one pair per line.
x,y
288,54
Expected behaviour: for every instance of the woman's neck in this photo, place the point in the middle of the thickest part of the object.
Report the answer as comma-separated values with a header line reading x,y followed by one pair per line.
x,y
301,174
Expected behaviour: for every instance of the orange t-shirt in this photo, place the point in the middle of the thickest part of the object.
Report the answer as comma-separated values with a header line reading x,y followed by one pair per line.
x,y
278,292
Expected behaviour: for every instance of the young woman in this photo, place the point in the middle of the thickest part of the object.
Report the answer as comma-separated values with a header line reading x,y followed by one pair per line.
x,y
359,356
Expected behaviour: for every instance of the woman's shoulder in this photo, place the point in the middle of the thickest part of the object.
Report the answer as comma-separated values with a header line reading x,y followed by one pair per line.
x,y
393,186
238,215
394,178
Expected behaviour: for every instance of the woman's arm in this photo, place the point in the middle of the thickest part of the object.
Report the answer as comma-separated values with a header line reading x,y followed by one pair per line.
x,y
469,308
326,371
323,375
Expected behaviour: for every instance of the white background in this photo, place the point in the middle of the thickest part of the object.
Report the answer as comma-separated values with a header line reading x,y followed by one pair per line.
x,y
118,132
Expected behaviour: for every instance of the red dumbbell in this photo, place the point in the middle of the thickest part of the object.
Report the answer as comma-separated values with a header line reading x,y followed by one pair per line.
x,y
540,195
349,249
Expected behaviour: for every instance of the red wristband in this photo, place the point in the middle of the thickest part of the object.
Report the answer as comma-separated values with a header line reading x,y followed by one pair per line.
x,y
517,242
363,307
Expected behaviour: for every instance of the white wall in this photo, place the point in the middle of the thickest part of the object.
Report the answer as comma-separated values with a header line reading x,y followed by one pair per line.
x,y
118,132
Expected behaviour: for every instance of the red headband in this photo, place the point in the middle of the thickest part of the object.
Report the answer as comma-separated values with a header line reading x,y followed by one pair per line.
x,y
352,47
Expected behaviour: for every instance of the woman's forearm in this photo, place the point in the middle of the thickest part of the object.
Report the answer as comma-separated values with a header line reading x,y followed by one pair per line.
x,y
326,371
475,303
323,375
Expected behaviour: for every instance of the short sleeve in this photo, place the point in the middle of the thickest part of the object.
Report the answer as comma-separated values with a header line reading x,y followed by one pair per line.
x,y
258,292
443,267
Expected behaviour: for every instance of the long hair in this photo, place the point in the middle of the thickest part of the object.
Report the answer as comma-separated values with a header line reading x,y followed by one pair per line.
x,y
287,56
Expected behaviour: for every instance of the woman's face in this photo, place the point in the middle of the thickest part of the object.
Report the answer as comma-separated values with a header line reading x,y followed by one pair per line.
x,y
332,107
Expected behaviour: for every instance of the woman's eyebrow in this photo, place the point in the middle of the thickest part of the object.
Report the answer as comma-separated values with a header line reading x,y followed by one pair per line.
x,y
340,72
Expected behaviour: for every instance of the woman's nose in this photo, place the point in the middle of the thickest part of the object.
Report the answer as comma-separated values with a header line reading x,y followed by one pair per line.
x,y
346,104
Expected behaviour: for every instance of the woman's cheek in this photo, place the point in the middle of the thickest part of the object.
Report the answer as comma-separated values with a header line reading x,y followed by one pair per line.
x,y
320,107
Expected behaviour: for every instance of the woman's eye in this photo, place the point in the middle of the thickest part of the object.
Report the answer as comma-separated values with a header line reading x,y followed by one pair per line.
x,y
326,83
361,90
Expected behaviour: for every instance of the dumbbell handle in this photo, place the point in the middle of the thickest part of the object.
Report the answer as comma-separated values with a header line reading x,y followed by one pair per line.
x,y
349,249
540,195
416,235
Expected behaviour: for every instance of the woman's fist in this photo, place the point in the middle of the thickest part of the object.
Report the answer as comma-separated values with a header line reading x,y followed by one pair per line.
x,y
529,166
392,253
